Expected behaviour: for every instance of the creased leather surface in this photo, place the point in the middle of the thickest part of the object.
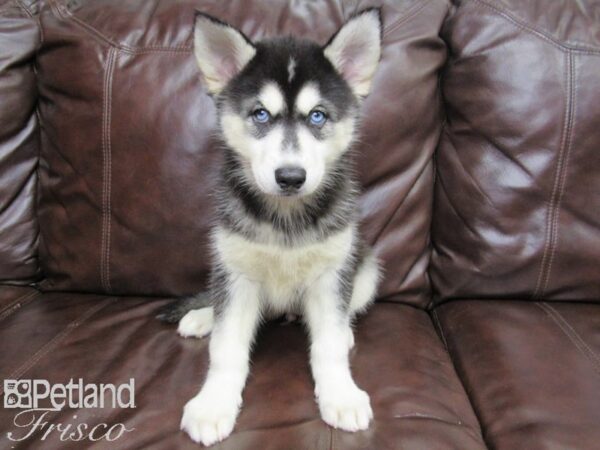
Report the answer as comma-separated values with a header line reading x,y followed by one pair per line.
x,y
532,370
14,297
517,203
417,398
128,160
19,144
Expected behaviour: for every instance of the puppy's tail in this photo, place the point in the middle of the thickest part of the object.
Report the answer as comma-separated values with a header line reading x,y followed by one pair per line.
x,y
173,312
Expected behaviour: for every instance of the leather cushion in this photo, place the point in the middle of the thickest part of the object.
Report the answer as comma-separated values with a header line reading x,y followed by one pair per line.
x,y
417,398
532,370
517,209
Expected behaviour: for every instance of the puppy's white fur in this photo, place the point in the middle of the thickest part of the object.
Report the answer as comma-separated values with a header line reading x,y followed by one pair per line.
x,y
308,97
271,98
282,271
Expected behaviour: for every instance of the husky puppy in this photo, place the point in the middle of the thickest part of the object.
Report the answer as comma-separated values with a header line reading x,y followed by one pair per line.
x,y
286,239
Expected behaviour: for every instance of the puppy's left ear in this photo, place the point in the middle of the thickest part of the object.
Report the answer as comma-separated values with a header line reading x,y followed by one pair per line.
x,y
221,51
355,49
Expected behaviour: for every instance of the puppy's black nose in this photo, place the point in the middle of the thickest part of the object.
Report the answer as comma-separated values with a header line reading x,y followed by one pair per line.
x,y
290,177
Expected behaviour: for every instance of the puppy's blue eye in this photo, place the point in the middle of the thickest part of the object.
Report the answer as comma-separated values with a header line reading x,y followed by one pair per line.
x,y
261,115
317,117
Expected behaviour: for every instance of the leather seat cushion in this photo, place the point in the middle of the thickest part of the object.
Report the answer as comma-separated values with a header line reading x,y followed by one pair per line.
x,y
399,359
532,370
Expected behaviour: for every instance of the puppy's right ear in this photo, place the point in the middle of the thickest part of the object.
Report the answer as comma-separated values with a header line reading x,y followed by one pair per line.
x,y
355,49
221,51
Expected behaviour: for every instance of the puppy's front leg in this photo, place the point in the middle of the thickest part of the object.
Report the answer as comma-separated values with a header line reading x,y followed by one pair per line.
x,y
209,417
342,404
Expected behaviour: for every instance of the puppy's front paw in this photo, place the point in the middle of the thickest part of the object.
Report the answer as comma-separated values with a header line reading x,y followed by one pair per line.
x,y
348,409
209,418
196,323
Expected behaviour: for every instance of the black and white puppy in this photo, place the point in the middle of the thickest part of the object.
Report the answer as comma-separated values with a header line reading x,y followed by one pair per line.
x,y
286,239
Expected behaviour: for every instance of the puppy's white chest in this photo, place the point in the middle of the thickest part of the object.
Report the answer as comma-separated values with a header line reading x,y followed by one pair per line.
x,y
280,270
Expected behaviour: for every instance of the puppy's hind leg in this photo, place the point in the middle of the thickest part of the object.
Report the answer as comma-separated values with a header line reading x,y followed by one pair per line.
x,y
364,288
365,284
196,323
174,311
210,416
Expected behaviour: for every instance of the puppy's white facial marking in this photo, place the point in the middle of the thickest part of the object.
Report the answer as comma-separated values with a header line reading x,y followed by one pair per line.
x,y
341,138
291,69
235,133
308,97
272,99
266,158
263,155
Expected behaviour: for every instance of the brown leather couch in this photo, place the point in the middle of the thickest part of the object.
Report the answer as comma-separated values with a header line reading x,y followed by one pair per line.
x,y
481,171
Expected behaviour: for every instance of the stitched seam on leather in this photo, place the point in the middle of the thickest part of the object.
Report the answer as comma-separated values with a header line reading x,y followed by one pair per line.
x,y
569,146
25,9
552,212
64,13
52,343
109,172
106,171
573,336
536,31
33,16
438,325
576,335
17,304
141,51
412,11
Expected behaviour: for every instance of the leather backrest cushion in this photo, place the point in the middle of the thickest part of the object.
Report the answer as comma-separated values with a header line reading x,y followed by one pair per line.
x,y
129,162
517,199
19,144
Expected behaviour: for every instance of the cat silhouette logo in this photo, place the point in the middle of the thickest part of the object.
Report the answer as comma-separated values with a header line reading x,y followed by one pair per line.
x,y
17,394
